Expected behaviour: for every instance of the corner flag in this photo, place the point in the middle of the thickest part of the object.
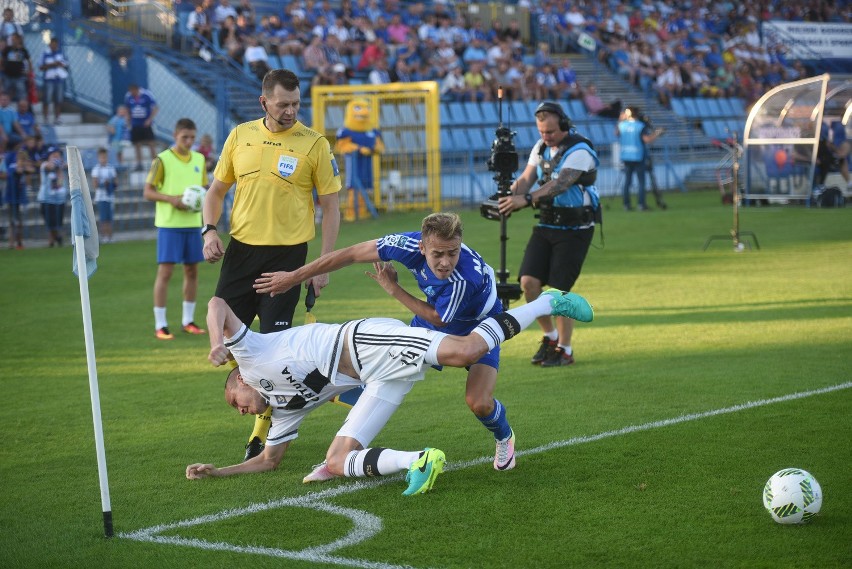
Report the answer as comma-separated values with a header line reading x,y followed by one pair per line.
x,y
82,213
85,235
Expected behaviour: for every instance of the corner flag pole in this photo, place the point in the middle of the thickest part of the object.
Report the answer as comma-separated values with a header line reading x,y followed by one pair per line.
x,y
85,233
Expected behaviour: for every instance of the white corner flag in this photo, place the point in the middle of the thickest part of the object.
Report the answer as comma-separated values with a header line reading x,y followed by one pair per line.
x,y
85,234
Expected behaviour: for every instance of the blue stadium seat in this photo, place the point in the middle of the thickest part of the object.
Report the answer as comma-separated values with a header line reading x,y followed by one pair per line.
x,y
452,115
389,115
678,107
481,138
334,116
517,113
461,140
577,111
474,113
725,108
527,137
448,142
291,62
489,113
409,115
690,109
738,106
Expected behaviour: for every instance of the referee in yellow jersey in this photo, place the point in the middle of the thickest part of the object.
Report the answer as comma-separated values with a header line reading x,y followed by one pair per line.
x,y
276,162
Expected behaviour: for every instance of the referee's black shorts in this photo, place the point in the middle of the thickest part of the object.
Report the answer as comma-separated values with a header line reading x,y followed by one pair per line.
x,y
242,264
555,256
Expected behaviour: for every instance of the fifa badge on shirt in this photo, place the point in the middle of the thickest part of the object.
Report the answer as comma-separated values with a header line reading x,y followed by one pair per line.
x,y
287,165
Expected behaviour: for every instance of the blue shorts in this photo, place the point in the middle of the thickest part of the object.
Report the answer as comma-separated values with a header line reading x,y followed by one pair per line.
x,y
106,211
183,245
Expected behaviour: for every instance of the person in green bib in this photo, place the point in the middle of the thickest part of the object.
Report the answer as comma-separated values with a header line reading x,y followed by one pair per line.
x,y
178,226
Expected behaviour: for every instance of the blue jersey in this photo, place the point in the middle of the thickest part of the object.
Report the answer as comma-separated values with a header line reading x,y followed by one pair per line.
x,y
463,300
359,167
140,106
630,137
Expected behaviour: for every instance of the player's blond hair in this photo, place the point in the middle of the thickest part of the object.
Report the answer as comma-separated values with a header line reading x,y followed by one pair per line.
x,y
444,226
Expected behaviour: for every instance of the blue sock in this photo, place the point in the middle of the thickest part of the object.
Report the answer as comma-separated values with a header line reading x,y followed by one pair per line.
x,y
497,422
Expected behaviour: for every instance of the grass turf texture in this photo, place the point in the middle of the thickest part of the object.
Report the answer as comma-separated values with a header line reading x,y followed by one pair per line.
x,y
678,330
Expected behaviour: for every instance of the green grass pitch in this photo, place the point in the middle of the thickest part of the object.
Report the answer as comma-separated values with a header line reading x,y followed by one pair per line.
x,y
651,451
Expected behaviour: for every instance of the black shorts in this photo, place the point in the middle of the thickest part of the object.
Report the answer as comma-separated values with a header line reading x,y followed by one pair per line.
x,y
556,256
141,134
242,264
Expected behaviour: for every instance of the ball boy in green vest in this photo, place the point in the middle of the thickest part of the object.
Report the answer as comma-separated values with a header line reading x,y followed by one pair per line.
x,y
178,227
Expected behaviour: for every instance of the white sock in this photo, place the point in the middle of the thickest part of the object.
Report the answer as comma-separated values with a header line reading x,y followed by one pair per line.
x,y
188,312
160,317
496,329
553,335
567,349
377,462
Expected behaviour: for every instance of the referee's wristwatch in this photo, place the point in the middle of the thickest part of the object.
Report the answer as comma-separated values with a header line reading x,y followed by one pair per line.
x,y
527,197
206,228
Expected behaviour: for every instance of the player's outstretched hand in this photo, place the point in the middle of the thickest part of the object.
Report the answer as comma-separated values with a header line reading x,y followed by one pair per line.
x,y
274,283
198,471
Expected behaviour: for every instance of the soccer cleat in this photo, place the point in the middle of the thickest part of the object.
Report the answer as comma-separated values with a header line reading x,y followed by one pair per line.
x,y
423,471
558,358
504,458
544,350
253,448
320,473
191,328
569,305
164,334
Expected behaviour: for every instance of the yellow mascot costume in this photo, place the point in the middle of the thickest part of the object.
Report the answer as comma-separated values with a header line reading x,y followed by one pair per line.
x,y
358,141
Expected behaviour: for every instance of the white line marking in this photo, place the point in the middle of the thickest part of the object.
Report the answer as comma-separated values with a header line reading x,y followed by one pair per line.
x,y
366,525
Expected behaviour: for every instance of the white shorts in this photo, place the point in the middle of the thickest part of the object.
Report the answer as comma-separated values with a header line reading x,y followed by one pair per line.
x,y
386,350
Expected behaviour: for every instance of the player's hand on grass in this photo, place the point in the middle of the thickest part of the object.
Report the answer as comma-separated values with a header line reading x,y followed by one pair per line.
x,y
198,471
385,275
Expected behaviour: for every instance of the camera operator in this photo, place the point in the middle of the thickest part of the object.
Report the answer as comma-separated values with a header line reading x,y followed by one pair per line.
x,y
564,164
634,136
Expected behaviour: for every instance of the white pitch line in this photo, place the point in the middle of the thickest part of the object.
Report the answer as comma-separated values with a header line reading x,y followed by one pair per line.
x,y
366,525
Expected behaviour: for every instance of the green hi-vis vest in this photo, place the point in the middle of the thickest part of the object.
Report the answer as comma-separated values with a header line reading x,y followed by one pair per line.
x,y
177,176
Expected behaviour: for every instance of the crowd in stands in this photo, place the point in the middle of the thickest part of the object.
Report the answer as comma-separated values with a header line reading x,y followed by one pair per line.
x,y
668,49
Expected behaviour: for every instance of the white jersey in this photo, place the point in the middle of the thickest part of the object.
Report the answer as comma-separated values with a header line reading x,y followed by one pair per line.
x,y
297,369
285,368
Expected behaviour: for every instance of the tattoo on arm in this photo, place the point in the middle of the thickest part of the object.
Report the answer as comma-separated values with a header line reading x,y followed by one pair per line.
x,y
564,180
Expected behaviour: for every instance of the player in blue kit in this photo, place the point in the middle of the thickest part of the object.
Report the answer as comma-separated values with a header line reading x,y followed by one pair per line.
x,y
460,291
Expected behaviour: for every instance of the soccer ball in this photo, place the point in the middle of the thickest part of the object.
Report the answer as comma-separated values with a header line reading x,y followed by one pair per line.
x,y
792,496
193,197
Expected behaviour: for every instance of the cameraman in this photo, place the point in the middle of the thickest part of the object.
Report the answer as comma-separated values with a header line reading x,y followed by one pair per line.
x,y
564,164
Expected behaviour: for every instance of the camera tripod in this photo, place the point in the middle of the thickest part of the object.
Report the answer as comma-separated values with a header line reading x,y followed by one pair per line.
x,y
733,158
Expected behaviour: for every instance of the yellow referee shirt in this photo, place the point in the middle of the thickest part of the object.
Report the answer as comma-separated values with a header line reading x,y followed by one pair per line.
x,y
275,175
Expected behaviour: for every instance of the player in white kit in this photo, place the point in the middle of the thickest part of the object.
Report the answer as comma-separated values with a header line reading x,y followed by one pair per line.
x,y
298,369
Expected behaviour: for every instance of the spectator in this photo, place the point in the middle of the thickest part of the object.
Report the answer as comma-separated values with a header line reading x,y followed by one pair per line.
x,y
313,57
246,11
595,105
566,81
222,12
15,64
10,130
400,72
118,132
374,51
52,195
256,57
27,120
172,171
397,30
9,26
379,74
547,83
453,86
477,82
230,39
197,23
16,193
205,148
143,109
104,180
54,67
